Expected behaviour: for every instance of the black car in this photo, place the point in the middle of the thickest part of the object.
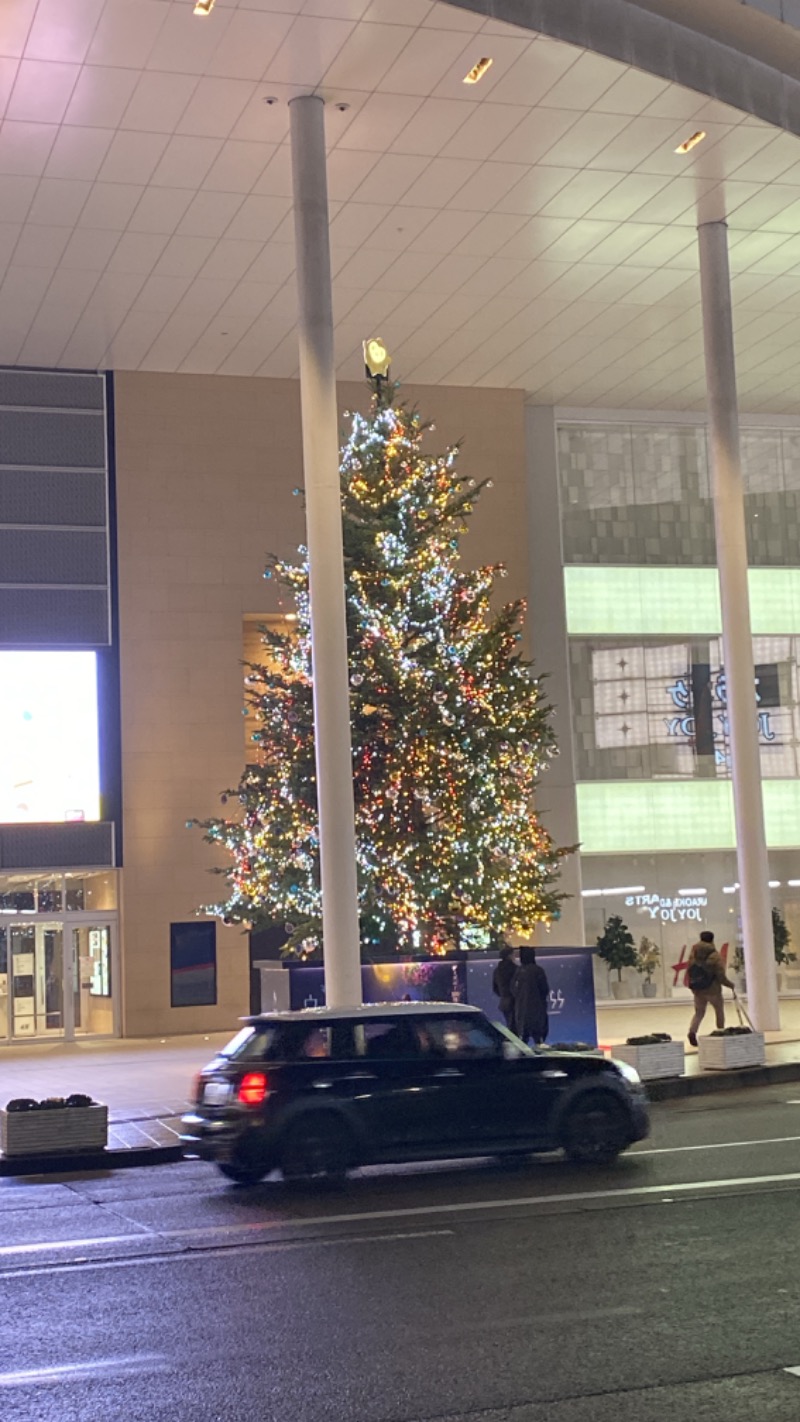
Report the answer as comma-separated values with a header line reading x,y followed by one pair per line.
x,y
322,1091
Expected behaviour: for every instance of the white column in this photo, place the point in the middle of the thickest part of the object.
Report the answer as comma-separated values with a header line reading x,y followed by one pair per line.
x,y
340,928
728,496
556,795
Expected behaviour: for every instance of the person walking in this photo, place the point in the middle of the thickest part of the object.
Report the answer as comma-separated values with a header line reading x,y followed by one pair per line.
x,y
706,977
502,983
530,989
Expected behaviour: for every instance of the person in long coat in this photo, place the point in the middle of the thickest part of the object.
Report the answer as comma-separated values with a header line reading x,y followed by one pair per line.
x,y
502,983
530,989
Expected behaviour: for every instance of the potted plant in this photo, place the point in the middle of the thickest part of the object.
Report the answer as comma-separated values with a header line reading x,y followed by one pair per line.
x,y
781,938
647,960
615,946
58,1125
653,1056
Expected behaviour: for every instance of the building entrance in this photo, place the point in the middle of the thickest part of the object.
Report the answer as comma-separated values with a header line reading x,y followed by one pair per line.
x,y
58,970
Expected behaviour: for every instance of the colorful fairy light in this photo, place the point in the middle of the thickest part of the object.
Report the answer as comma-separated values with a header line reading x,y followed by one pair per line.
x,y
450,727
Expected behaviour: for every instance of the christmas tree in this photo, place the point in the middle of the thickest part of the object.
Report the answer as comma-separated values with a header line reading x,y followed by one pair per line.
x,y
450,727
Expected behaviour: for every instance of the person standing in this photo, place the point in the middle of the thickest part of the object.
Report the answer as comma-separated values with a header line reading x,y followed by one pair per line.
x,y
530,989
502,983
706,977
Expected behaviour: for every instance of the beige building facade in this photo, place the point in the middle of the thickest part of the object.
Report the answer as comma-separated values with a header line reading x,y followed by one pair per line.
x,y
205,472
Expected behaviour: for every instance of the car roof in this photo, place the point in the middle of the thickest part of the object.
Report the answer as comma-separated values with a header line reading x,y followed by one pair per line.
x,y
367,1009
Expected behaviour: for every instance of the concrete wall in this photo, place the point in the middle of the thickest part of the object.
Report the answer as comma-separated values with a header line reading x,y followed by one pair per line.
x,y
206,466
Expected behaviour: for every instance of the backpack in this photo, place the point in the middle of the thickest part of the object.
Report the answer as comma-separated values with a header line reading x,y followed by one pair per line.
x,y
699,978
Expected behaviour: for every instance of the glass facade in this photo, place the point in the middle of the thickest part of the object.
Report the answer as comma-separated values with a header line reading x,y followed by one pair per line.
x,y
647,676
58,956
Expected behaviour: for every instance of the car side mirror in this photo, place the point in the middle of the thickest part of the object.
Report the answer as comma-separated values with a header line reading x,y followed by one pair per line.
x,y
510,1052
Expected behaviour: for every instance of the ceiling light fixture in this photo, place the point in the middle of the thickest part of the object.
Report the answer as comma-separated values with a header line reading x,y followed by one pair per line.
x,y
477,71
203,7
690,143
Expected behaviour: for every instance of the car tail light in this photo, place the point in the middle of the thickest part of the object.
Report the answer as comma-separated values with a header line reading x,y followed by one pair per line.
x,y
253,1088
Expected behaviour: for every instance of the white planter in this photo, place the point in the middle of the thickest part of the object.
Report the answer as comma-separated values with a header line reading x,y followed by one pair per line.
x,y
620,991
728,1053
62,1131
658,1059
649,989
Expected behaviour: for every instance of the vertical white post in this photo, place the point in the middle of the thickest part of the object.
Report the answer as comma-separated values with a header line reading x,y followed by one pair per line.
x,y
340,928
728,496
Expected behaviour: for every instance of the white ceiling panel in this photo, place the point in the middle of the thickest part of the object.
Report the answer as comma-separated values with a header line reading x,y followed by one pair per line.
x,y
238,166
77,153
535,228
100,96
432,125
58,201
25,147
309,50
249,42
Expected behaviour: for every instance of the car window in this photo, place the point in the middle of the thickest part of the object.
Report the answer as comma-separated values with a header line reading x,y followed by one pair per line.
x,y
456,1037
252,1044
384,1039
314,1044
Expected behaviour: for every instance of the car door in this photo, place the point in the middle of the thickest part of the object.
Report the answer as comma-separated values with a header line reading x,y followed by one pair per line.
x,y
383,1082
467,1106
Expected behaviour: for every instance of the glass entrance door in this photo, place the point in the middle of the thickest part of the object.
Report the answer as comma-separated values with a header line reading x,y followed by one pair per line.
x,y
91,970
57,977
35,979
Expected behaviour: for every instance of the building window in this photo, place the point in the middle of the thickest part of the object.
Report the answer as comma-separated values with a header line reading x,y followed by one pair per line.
x,y
193,964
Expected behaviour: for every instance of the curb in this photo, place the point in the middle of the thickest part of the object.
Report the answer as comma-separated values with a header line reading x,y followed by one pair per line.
x,y
99,1160
710,1083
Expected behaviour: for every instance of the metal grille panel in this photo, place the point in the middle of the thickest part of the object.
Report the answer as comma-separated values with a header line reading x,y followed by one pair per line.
x,y
62,846
51,438
33,555
54,617
54,569
43,496
50,388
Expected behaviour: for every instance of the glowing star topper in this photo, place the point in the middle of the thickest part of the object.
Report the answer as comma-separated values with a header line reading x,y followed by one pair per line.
x,y
376,358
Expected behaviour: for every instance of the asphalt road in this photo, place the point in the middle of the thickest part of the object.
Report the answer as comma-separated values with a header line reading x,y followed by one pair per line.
x,y
667,1287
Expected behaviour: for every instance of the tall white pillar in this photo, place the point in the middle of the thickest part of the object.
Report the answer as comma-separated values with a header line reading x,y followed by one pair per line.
x,y
728,496
340,928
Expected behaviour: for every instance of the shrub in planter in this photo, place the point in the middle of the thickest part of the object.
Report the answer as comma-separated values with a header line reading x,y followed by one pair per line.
x,y
54,1126
653,1039
616,947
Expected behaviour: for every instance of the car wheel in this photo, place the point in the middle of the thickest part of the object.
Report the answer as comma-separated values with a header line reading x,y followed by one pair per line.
x,y
317,1147
248,1165
593,1132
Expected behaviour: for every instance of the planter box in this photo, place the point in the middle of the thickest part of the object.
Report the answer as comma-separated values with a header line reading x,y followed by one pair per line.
x,y
728,1053
64,1131
658,1059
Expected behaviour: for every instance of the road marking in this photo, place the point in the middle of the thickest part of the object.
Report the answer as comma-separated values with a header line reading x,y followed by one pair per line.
x,y
41,1245
794,1371
75,1372
717,1145
254,1231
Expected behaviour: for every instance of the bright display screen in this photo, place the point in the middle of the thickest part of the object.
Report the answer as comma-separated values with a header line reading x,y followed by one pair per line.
x,y
49,761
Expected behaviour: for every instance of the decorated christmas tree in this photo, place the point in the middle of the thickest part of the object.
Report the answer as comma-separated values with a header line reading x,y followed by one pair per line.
x,y
450,727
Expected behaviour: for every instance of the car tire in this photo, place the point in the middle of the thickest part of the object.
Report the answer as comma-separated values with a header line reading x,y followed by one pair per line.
x,y
248,1166
593,1130
318,1146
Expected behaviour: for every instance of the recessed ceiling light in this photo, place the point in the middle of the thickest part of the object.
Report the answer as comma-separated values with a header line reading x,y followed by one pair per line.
x,y
690,143
203,7
477,71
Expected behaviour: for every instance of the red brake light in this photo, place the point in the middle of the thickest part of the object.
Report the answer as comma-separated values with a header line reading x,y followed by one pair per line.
x,y
253,1088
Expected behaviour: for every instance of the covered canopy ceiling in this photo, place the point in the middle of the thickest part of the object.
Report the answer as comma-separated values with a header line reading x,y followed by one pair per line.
x,y
536,229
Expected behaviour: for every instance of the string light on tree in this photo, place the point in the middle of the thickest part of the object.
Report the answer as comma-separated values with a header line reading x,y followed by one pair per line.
x,y
450,726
